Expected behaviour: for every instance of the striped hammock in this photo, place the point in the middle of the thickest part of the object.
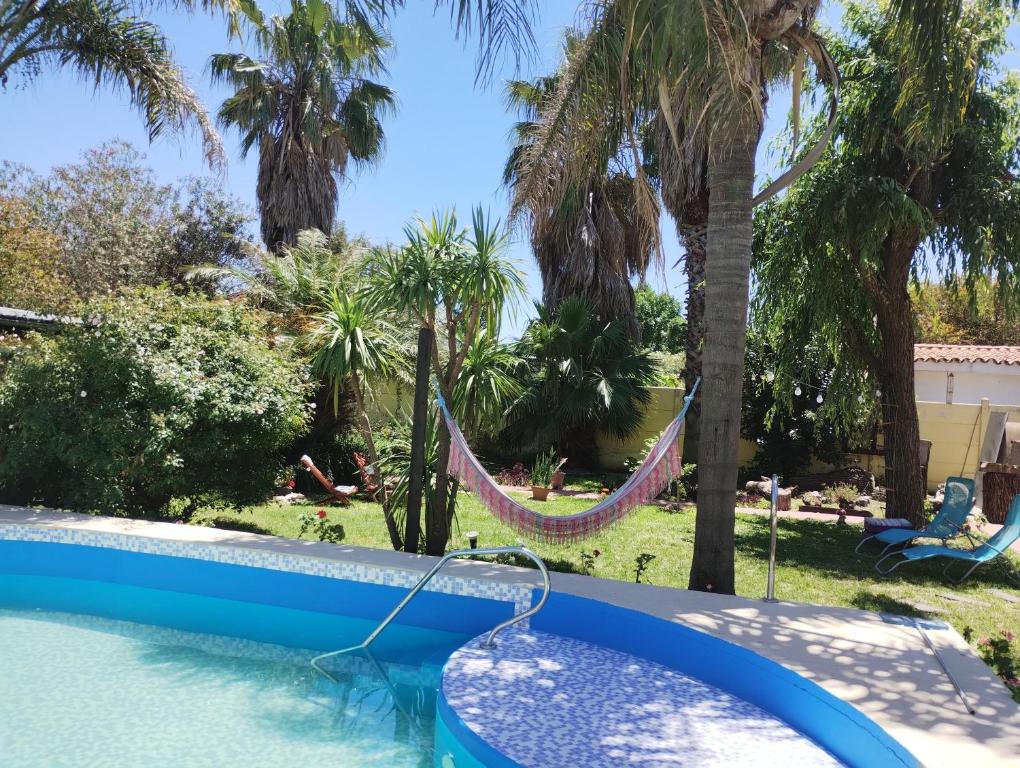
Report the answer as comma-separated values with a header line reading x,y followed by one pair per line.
x,y
660,467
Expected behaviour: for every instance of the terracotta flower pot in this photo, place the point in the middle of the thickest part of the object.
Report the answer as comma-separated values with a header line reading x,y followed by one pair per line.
x,y
539,493
558,478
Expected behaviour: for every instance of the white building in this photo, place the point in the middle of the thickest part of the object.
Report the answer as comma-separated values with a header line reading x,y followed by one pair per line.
x,y
965,374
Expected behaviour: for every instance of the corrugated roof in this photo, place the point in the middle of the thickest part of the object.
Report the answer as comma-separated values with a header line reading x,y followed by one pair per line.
x,y
966,353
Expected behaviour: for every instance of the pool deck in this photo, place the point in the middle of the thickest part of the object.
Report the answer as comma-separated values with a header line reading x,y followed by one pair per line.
x,y
881,667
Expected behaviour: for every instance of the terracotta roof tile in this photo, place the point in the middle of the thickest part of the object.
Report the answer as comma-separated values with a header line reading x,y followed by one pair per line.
x,y
966,353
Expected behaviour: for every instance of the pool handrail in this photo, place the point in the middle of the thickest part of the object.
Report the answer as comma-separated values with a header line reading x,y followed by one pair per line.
x,y
488,641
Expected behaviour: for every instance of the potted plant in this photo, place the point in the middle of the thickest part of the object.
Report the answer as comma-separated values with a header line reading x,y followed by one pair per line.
x,y
541,475
559,477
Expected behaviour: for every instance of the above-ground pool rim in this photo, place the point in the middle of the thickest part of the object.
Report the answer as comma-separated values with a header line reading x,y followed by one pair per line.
x,y
833,724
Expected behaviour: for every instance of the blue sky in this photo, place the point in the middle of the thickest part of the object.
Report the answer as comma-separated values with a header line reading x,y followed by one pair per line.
x,y
445,145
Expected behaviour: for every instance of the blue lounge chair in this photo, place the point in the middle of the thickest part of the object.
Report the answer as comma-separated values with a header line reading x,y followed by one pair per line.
x,y
948,522
984,553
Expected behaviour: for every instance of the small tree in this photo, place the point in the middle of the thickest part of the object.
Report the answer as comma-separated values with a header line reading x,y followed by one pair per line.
x,y
117,227
836,256
453,283
351,343
582,374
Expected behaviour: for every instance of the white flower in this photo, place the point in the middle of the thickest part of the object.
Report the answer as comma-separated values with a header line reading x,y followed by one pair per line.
x,y
82,393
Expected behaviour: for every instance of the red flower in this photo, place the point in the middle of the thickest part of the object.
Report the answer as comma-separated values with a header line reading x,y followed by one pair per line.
x,y
321,513
291,484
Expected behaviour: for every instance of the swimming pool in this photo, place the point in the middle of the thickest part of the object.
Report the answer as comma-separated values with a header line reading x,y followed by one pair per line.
x,y
114,655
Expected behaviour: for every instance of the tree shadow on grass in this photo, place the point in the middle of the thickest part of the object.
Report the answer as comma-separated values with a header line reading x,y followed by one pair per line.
x,y
881,603
829,549
227,523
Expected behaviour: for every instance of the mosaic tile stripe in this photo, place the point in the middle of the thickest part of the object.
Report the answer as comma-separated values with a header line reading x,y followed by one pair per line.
x,y
518,594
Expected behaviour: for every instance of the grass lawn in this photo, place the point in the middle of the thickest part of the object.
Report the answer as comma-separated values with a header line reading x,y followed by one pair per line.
x,y
816,563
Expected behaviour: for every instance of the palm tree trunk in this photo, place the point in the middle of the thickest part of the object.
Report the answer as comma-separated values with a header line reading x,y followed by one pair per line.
x,y
437,520
373,456
727,277
416,483
694,270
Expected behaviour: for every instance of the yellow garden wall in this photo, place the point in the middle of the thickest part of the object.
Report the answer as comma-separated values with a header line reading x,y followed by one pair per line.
x,y
665,404
956,431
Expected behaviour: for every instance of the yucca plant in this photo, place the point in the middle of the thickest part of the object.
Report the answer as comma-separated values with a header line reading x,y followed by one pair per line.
x,y
351,342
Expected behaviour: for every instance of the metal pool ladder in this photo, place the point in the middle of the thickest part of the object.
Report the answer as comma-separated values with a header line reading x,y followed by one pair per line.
x,y
488,642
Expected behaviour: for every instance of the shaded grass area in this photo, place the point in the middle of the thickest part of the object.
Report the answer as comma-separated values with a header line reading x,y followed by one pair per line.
x,y
816,563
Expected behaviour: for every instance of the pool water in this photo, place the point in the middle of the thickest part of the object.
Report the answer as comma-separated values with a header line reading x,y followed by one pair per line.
x,y
81,691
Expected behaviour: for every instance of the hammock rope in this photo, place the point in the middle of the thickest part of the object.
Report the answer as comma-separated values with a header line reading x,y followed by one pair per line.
x,y
660,467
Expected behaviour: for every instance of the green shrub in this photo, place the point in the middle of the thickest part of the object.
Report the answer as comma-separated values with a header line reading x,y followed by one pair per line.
x,y
155,397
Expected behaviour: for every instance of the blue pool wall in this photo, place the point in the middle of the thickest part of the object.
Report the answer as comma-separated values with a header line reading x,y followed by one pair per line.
x,y
218,598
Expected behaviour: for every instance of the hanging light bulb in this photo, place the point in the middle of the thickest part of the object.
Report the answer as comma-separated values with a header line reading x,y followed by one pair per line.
x,y
819,399
797,391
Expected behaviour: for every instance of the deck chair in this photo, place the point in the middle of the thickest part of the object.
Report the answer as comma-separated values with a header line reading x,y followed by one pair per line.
x,y
947,523
986,552
341,493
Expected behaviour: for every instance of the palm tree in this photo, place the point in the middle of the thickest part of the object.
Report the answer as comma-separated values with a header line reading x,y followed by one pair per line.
x,y
309,107
583,374
594,238
455,284
719,58
293,281
487,385
106,42
680,164
351,342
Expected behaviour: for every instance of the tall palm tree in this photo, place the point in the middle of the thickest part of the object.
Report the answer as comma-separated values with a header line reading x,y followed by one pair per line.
x,y
109,43
594,238
723,58
680,164
310,107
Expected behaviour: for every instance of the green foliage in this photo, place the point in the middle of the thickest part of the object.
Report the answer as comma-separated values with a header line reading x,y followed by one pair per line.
x,y
784,419
154,398
110,43
588,561
660,316
581,374
350,340
116,227
542,468
951,201
1001,654
30,272
487,385
669,370
293,280
965,314
843,494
